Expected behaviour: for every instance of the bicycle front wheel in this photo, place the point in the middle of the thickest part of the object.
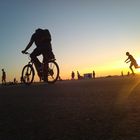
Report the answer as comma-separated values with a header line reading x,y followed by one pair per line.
x,y
53,72
28,74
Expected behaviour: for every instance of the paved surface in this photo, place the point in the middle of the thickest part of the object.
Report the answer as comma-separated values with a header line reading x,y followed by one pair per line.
x,y
100,109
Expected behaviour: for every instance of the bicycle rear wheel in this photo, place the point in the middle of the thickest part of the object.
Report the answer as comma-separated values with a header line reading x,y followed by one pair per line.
x,y
53,72
28,74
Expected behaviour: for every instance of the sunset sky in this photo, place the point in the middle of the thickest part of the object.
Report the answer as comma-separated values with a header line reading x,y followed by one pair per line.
x,y
87,35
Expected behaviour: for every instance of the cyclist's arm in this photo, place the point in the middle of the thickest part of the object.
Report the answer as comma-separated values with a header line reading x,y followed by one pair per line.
x,y
29,45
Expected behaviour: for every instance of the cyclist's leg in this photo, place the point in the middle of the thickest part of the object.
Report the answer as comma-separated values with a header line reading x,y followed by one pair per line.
x,y
47,55
49,52
36,52
45,68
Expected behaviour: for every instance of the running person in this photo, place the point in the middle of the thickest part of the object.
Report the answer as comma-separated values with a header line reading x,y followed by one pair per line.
x,y
133,62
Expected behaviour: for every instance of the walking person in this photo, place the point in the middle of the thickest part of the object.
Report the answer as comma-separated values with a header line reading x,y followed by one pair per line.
x,y
3,77
93,74
72,75
79,76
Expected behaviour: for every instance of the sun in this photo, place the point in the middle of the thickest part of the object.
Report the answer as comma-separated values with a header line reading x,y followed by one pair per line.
x,y
138,62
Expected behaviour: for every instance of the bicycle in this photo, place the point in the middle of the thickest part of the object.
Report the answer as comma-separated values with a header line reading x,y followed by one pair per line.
x,y
28,71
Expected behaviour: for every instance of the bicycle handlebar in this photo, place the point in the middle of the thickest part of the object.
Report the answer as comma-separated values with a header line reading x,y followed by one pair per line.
x,y
25,53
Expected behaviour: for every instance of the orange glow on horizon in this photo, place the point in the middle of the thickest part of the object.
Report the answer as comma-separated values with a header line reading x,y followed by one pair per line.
x,y
108,68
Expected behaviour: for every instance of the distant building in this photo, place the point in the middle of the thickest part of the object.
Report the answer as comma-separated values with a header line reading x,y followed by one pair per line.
x,y
88,76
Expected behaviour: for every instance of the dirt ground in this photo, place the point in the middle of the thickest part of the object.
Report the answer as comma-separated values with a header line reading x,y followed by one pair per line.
x,y
98,109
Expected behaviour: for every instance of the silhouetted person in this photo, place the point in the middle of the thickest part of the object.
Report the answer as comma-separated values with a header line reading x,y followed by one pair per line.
x,y
121,73
79,76
42,39
15,81
72,75
93,74
3,77
59,78
133,62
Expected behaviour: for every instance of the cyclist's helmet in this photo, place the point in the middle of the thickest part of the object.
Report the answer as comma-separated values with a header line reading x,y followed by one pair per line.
x,y
127,53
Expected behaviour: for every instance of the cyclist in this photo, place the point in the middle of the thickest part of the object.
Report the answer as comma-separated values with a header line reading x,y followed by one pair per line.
x,y
133,62
42,40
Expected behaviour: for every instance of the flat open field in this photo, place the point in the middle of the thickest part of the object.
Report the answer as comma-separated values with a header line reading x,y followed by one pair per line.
x,y
100,109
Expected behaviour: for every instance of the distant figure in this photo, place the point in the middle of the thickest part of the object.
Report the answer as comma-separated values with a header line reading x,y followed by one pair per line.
x,y
42,39
93,74
3,77
133,62
122,73
59,78
79,76
72,75
15,81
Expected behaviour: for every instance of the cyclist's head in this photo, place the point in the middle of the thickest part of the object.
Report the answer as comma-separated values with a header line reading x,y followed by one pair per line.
x,y
2,69
127,53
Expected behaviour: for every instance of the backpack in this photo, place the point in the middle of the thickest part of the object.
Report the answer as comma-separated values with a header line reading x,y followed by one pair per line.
x,y
47,34
42,36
